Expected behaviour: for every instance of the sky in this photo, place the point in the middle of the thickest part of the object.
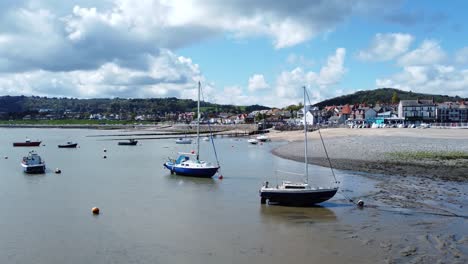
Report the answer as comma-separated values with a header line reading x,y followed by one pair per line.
x,y
242,51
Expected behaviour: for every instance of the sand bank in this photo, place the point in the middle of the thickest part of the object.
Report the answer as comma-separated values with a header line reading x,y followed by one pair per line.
x,y
377,150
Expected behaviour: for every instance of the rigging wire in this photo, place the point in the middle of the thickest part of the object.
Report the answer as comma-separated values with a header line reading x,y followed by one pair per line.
x,y
323,143
211,135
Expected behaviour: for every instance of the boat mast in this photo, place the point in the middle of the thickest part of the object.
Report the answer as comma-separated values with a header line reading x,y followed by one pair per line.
x,y
305,140
198,123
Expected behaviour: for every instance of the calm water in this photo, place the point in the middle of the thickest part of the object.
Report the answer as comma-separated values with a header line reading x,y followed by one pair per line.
x,y
150,216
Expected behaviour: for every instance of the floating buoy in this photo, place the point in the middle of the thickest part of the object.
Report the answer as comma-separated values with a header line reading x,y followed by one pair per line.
x,y
105,150
6,157
95,210
193,151
58,171
43,145
220,177
360,203
105,157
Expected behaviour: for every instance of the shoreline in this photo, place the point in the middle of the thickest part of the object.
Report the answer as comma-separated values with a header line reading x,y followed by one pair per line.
x,y
375,151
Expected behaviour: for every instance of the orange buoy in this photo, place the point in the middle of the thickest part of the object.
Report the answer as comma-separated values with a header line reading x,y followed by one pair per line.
x,y
95,210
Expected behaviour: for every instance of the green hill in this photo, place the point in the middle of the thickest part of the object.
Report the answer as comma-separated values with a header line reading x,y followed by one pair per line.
x,y
34,104
383,95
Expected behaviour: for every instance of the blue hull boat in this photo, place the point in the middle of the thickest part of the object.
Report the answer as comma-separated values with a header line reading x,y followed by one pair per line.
x,y
192,172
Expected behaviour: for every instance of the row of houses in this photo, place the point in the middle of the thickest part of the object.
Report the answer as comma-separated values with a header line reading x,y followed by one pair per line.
x,y
412,111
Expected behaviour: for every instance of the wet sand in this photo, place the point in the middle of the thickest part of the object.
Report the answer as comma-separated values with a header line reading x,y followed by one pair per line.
x,y
432,193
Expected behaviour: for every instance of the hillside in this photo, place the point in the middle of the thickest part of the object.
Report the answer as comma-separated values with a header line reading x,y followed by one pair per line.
x,y
383,95
26,104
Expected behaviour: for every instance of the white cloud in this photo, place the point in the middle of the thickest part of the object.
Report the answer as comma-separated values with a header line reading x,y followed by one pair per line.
x,y
167,75
288,83
437,79
428,53
257,82
386,47
461,57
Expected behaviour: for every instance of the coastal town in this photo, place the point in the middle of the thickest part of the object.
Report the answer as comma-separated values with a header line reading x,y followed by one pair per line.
x,y
405,113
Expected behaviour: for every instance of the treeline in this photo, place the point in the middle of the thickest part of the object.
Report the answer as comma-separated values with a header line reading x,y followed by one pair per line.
x,y
154,106
384,95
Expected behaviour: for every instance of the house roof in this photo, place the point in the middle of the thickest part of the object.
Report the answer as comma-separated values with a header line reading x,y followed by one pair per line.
x,y
346,110
417,102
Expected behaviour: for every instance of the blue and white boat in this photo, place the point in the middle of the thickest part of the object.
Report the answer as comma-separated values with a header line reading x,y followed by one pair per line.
x,y
189,164
33,163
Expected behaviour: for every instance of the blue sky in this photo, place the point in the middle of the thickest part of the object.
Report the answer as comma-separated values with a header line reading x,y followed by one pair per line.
x,y
244,52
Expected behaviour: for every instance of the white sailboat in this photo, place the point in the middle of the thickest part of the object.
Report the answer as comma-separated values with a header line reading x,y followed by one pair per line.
x,y
297,193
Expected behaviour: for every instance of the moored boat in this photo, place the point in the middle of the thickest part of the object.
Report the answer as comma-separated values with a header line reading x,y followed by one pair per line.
x,y
297,193
130,142
33,163
27,143
184,140
253,141
194,167
68,145
262,138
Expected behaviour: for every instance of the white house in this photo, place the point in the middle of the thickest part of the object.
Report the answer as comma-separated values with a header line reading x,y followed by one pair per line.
x,y
420,110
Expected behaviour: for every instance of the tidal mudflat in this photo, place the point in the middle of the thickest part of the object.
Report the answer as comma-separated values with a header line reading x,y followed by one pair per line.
x,y
150,216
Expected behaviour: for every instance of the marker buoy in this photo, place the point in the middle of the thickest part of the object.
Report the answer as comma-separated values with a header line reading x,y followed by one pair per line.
x,y
6,157
193,151
58,171
220,177
360,203
105,150
105,157
95,210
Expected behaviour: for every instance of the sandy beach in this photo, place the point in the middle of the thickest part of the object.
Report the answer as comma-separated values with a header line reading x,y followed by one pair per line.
x,y
383,151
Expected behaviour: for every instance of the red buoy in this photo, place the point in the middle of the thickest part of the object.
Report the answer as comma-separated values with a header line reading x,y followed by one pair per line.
x,y
220,177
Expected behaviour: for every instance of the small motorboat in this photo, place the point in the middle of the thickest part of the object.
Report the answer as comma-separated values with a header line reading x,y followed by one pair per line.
x,y
68,145
262,138
253,141
27,143
33,163
130,142
185,140
206,139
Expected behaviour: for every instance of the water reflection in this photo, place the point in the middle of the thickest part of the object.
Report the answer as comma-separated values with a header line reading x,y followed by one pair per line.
x,y
297,214
185,180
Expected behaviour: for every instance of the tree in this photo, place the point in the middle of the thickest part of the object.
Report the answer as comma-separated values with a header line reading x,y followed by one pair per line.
x,y
395,98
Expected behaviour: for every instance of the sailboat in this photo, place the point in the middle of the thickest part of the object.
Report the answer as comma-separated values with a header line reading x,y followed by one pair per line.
x,y
297,193
189,164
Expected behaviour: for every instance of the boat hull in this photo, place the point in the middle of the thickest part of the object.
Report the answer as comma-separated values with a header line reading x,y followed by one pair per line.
x,y
27,144
192,172
36,169
68,145
128,143
302,197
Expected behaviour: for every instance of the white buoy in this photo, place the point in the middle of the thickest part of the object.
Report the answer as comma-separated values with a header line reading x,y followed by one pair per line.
x,y
58,171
